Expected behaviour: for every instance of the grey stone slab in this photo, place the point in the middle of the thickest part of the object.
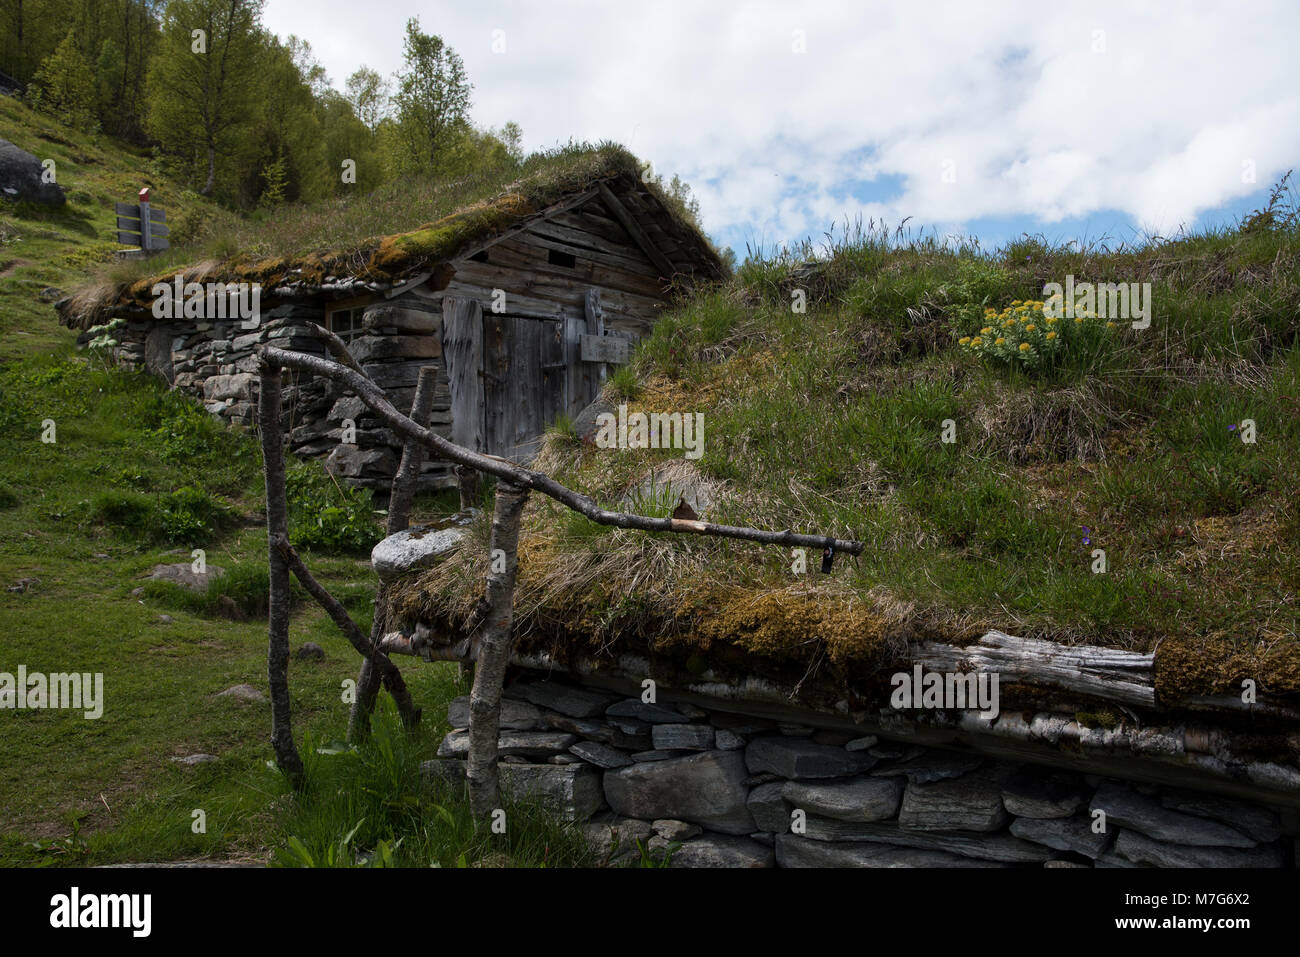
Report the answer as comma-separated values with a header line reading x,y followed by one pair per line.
x,y
673,830
728,740
1126,808
793,851
1261,823
972,802
522,744
682,737
857,799
1039,793
571,791
515,715
803,758
719,851
1141,849
655,755
1064,834
706,789
566,699
1000,846
601,755
651,713
413,549
767,805
930,766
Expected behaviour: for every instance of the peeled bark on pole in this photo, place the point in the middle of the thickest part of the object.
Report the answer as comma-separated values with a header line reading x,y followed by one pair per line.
x,y
277,527
399,514
493,653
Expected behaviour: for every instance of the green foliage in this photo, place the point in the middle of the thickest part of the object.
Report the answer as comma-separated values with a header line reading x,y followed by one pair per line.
x,y
432,101
188,516
1038,337
64,86
326,515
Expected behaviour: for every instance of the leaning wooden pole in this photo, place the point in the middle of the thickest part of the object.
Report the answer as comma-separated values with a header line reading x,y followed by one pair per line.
x,y
277,528
493,652
399,516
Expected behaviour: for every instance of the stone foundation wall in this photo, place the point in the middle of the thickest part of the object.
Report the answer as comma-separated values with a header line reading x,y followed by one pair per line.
x,y
215,363
724,789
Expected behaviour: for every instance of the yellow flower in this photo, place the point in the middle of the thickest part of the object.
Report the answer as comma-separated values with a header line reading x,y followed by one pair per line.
x,y
1110,325
1024,347
1030,328
976,341
964,340
998,341
1051,320
1009,323
1015,302
1078,320
1051,335
986,330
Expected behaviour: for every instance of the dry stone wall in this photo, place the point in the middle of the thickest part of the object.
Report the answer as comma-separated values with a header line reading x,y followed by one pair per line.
x,y
216,364
719,788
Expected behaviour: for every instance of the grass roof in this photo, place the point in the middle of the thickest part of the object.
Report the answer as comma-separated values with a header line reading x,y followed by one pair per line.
x,y
385,236
832,421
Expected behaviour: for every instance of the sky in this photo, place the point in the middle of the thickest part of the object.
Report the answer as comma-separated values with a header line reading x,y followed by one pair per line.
x,y
1091,121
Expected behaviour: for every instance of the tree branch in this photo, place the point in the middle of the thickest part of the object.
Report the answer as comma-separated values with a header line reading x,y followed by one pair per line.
x,y
517,475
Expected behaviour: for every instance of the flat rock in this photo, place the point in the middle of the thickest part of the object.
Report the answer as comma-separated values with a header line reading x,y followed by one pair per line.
x,y
183,574
671,830
243,693
972,802
310,651
994,847
728,740
682,737
1037,793
716,851
523,744
616,836
767,805
413,549
515,715
193,759
1261,823
651,713
793,851
706,789
1063,834
1140,849
656,755
803,758
861,744
571,791
566,699
858,799
601,755
930,766
1126,808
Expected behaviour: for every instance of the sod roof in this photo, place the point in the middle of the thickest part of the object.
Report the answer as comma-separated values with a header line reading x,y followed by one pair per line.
x,y
1128,441
393,234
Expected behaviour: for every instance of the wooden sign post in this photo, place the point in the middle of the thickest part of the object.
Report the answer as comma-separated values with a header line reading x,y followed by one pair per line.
x,y
142,225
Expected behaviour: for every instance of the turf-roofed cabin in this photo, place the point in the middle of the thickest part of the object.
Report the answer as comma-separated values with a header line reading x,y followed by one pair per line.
x,y
523,298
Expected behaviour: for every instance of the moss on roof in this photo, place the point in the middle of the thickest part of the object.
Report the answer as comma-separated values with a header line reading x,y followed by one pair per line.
x,y
386,236
833,421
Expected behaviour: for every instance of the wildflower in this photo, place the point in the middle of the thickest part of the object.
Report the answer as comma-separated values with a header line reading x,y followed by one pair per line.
x,y
999,341
1051,320
1031,327
964,340
976,341
1051,336
1015,302
986,330
1024,347
1110,325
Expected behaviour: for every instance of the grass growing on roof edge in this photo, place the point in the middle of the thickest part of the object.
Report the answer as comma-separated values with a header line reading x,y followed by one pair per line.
x,y
831,421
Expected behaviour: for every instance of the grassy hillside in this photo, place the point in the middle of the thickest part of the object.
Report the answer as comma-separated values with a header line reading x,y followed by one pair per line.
x,y
1099,436
137,477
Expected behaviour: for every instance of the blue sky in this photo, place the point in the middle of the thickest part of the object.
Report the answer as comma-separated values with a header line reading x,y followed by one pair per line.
x,y
1071,119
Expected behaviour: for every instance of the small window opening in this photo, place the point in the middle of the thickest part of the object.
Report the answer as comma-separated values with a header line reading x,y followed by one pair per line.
x,y
345,323
557,258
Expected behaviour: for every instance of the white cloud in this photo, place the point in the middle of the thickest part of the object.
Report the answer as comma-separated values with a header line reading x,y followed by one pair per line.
x,y
1045,111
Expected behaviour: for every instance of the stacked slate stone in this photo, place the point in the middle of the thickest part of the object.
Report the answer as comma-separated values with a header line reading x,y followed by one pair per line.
x,y
721,789
216,363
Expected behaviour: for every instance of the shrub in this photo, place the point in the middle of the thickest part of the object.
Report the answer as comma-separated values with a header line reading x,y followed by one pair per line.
x,y
326,515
